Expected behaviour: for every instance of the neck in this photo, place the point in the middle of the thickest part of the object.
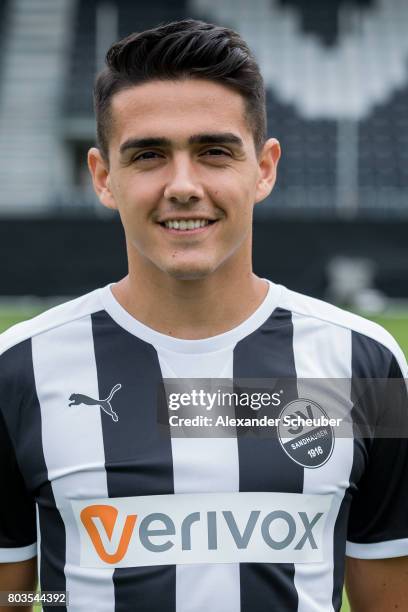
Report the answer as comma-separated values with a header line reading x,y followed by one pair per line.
x,y
191,309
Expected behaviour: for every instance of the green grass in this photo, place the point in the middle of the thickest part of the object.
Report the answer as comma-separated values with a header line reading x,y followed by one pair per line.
x,y
9,317
397,325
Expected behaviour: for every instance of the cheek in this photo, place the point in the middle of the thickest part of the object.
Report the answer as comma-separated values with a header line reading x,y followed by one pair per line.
x,y
238,185
136,199
236,199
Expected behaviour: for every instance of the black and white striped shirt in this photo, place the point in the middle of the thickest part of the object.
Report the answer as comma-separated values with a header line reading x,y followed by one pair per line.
x,y
72,470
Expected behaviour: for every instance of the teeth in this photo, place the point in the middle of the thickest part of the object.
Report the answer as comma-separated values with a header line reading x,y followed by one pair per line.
x,y
188,224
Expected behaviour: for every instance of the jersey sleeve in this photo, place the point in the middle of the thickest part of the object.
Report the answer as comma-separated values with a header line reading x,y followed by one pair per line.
x,y
17,507
378,520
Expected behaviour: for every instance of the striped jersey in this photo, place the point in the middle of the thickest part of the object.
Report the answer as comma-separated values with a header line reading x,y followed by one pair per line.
x,y
124,515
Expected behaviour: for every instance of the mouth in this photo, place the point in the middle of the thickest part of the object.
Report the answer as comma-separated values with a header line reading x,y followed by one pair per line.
x,y
184,227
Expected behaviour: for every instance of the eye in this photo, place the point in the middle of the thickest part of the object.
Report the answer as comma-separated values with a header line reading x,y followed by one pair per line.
x,y
216,152
145,156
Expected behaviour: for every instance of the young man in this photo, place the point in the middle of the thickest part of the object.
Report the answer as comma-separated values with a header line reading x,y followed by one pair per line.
x,y
124,514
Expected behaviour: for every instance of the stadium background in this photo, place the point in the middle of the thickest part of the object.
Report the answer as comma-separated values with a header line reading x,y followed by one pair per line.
x,y
336,75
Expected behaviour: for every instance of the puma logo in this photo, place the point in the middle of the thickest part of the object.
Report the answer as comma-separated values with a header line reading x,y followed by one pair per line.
x,y
77,398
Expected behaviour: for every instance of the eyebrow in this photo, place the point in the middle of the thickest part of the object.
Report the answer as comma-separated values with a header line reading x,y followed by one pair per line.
x,y
214,138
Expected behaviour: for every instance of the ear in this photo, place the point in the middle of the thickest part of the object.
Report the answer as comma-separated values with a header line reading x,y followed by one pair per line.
x,y
99,169
268,164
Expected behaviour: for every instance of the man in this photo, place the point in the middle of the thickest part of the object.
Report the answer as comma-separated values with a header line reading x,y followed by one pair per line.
x,y
129,515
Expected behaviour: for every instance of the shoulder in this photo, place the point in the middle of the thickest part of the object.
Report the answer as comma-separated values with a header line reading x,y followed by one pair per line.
x,y
370,340
52,318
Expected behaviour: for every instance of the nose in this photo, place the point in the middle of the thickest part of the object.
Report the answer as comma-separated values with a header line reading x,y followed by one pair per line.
x,y
183,184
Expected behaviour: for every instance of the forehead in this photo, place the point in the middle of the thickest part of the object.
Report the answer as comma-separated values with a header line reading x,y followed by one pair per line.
x,y
177,109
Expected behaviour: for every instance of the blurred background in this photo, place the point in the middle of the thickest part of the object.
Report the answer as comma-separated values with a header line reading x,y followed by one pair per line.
x,y
336,74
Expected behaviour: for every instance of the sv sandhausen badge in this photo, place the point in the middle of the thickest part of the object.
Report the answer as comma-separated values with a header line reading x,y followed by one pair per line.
x,y
305,433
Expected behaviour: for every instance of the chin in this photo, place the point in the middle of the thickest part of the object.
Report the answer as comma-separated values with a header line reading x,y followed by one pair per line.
x,y
189,272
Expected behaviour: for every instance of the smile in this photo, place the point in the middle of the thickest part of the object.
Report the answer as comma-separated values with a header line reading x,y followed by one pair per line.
x,y
184,226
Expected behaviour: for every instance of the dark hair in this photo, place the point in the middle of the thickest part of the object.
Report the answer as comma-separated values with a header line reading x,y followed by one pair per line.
x,y
179,50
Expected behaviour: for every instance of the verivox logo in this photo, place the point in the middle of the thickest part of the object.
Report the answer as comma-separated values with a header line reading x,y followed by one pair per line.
x,y
100,522
202,528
